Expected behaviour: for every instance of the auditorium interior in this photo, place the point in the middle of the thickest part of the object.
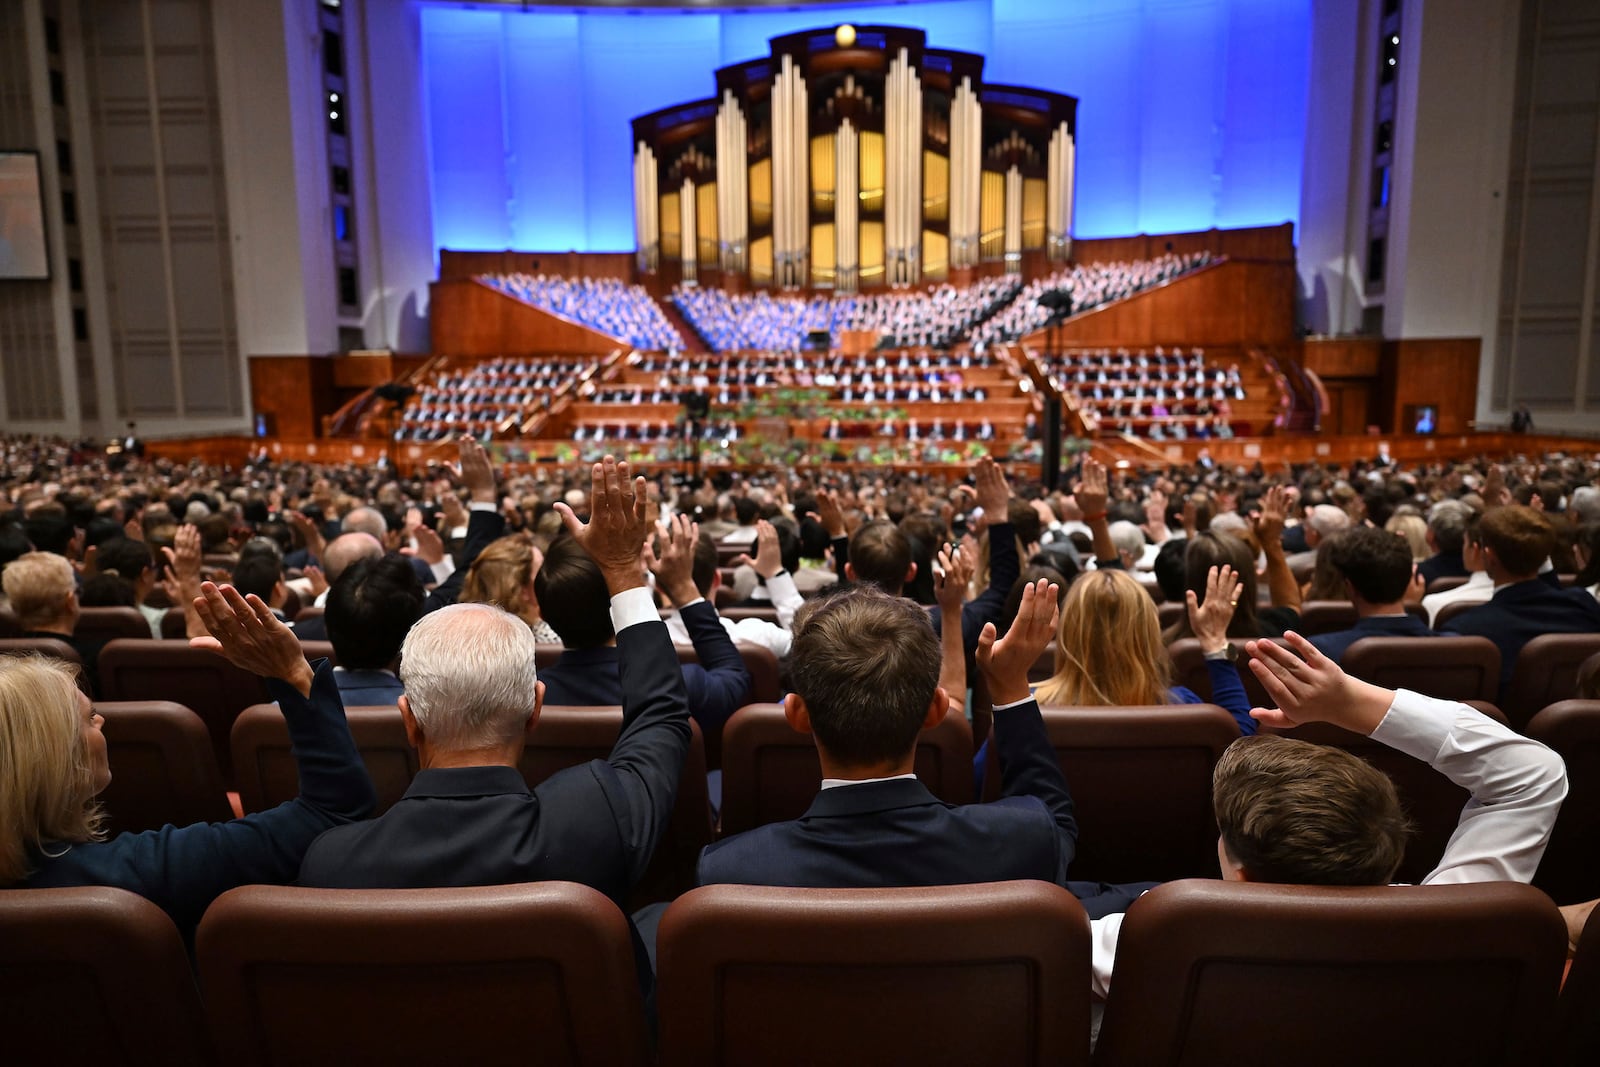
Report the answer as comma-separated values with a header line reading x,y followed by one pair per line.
x,y
833,265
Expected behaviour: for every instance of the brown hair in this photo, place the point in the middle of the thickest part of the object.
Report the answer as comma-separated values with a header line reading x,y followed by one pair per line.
x,y
500,576
1207,550
1108,647
1290,811
880,553
866,663
1520,538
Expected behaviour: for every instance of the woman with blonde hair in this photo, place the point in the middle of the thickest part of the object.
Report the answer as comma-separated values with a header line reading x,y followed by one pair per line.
x,y
53,764
1109,651
1414,528
503,575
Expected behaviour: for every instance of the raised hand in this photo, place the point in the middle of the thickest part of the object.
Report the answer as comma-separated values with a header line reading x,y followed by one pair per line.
x,y
476,473
184,557
1310,687
1210,619
1155,516
674,567
318,580
1005,662
617,525
829,514
769,558
952,575
1268,522
244,630
430,549
309,532
1091,492
992,491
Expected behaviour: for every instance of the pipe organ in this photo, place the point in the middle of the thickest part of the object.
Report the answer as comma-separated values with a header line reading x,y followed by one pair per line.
x,y
881,162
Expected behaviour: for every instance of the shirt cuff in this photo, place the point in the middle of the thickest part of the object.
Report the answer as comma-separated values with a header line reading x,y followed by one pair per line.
x,y
443,569
1014,704
631,607
692,603
482,505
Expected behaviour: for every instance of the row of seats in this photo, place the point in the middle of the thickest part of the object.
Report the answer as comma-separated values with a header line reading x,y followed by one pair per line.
x,y
1207,973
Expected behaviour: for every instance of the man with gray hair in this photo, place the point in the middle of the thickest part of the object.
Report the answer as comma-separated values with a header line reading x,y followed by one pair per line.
x,y
1447,530
1583,506
471,700
1322,522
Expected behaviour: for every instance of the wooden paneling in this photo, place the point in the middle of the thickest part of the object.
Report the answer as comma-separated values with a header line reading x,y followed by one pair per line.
x,y
363,371
1343,357
1349,406
1231,303
460,266
471,319
1270,243
1442,371
295,392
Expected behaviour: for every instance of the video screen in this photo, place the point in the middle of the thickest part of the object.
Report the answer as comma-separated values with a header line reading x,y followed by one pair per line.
x,y
1424,418
22,251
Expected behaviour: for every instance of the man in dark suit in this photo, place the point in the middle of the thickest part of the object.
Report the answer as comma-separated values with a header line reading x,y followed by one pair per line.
x,y
370,610
865,667
1447,531
471,700
571,588
1515,542
1377,570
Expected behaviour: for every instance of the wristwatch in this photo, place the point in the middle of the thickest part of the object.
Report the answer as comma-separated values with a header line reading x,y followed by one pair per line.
x,y
1229,652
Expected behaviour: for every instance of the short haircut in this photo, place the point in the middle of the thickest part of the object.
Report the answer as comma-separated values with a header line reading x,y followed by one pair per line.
x,y
573,596
1327,519
1169,567
13,543
469,676
1128,538
1585,502
880,553
107,591
1520,538
866,663
1375,562
50,533
258,574
1294,812
1449,519
370,609
1024,520
46,780
38,584
347,549
746,510
705,563
126,558
367,521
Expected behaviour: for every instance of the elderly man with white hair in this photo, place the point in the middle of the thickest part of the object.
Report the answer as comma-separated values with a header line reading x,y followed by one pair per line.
x,y
1322,522
472,698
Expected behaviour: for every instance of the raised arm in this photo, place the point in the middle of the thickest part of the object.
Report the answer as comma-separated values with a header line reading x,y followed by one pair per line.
x,y
952,576
1516,784
485,524
1092,496
720,684
768,563
183,578
1268,524
1210,624
993,495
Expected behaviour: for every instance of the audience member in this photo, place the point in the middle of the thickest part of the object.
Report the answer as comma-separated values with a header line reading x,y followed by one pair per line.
x,y
1378,574
505,574
42,589
1447,531
371,607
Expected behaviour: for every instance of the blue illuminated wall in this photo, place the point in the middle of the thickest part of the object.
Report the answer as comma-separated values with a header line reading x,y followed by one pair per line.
x,y
1191,113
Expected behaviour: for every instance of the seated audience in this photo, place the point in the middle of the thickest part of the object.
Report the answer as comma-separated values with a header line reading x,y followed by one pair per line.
x,y
42,589
1587,553
504,575
370,609
130,561
1208,550
1322,521
53,764
1378,573
768,565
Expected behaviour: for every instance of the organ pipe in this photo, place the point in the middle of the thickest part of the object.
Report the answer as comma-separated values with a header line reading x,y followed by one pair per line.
x,y
733,177
903,171
646,208
1058,210
690,243
790,167
966,174
1013,238
846,209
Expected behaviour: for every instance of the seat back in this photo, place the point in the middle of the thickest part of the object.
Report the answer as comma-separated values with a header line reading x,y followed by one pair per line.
x,y
1577,1041
1432,801
163,769
485,975
1326,616
99,625
1450,611
307,613
572,736
201,681
265,770
1444,585
174,626
96,975
735,614
1450,668
886,976
760,661
770,773
43,646
1569,871
1189,670
1369,975
315,650
1546,671
1141,787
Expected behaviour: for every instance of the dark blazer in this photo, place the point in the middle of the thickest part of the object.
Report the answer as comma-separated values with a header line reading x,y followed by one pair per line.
x,y
897,833
1518,613
362,687
183,869
1443,565
717,686
597,824
1335,645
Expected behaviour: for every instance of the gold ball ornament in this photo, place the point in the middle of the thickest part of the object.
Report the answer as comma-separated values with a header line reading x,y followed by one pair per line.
x,y
845,35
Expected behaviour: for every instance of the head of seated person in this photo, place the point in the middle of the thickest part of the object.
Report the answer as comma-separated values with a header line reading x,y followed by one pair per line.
x,y
880,553
42,589
129,560
370,610
262,574
1515,542
1376,568
865,671
1208,550
347,549
472,694
1108,646
51,533
107,591
1299,813
367,521
573,596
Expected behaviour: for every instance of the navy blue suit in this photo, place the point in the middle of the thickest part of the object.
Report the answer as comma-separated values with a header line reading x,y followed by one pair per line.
x,y
896,833
1520,612
717,686
1443,565
363,688
1335,645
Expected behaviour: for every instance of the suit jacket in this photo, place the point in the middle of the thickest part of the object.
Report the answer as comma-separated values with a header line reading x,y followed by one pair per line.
x,y
1442,565
597,824
1335,645
896,833
1518,613
361,687
716,687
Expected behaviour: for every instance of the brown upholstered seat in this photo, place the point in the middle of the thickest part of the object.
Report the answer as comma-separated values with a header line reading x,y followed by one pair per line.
x,y
1444,585
264,766
1215,972
1171,612
1450,611
1141,787
1189,670
770,773
542,972
43,646
163,769
174,626
315,650
1570,869
1546,672
1577,1040
96,975
307,613
100,625
1326,616
993,973
1432,801
1449,667
202,681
